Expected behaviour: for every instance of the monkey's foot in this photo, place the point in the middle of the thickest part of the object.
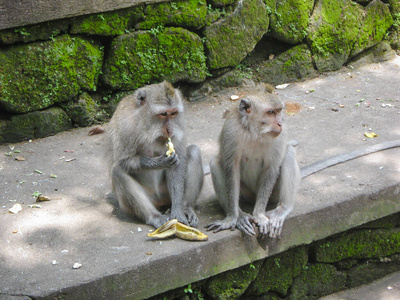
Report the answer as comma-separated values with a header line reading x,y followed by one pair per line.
x,y
158,221
227,223
192,217
276,219
179,215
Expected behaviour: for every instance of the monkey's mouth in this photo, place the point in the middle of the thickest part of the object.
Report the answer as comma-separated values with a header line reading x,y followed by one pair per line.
x,y
274,133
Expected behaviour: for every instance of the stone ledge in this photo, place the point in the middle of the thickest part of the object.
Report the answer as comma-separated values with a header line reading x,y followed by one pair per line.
x,y
80,225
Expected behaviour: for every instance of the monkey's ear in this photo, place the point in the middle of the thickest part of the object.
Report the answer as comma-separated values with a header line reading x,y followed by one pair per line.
x,y
141,97
245,106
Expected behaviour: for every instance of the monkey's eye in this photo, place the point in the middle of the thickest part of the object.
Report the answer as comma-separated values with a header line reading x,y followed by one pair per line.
x,y
174,113
164,114
278,110
270,112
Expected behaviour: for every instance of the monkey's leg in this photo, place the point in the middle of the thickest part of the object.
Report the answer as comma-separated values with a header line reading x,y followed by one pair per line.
x,y
286,190
134,200
235,217
193,182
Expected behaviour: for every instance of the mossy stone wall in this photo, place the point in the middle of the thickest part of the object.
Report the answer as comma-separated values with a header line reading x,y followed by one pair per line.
x,y
349,259
80,67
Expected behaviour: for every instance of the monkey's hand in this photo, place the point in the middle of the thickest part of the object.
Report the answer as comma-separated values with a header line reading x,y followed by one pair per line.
x,y
276,218
263,224
228,223
245,223
160,162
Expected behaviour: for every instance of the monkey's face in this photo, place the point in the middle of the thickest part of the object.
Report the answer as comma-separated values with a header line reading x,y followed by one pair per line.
x,y
262,117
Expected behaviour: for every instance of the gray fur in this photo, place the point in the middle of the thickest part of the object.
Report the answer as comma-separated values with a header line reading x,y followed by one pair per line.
x,y
255,163
143,178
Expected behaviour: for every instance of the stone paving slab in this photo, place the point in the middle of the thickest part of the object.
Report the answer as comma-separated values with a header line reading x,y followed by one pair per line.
x,y
82,224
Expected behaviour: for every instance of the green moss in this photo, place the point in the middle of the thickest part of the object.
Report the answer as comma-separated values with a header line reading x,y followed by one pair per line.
x,y
278,272
232,284
317,280
145,57
108,23
333,30
290,20
374,26
31,33
37,75
230,40
36,124
190,13
358,244
292,65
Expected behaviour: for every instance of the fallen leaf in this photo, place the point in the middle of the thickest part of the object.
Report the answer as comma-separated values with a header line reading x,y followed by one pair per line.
x,y
42,198
8,154
149,253
19,158
234,97
69,151
38,171
370,134
53,176
15,231
96,130
70,159
15,209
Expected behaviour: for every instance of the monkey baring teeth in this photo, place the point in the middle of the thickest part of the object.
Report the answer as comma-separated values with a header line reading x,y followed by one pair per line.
x,y
173,227
170,147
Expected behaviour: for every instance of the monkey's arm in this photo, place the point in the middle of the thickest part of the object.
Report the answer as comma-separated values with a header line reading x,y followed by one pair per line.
x,y
137,163
225,171
176,185
267,182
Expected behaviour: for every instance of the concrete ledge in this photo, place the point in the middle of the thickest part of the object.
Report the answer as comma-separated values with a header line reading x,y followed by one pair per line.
x,y
81,225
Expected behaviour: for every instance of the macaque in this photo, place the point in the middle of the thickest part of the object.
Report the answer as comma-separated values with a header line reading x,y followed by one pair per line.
x,y
255,164
144,178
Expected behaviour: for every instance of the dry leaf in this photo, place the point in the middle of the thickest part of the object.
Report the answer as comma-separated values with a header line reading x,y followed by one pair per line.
x,y
19,158
96,130
70,159
234,97
42,198
15,209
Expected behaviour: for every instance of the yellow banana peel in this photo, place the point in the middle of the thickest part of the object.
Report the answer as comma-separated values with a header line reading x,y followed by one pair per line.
x,y
182,231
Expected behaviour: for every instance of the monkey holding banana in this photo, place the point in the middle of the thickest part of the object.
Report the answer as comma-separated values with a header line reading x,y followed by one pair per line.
x,y
144,178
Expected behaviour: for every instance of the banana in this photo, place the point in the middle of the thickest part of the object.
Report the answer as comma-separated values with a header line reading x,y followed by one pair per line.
x,y
170,147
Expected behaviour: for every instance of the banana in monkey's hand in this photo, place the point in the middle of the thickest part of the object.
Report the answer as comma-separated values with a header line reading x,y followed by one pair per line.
x,y
170,147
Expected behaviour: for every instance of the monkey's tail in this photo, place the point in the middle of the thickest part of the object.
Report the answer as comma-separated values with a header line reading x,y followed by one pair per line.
x,y
341,158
